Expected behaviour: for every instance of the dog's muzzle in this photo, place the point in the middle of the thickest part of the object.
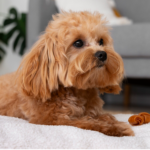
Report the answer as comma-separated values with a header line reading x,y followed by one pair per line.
x,y
101,55
101,58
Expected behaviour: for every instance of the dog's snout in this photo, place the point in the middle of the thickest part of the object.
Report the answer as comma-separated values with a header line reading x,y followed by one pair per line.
x,y
101,55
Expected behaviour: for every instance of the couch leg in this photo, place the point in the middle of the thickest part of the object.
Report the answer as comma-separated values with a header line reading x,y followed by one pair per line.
x,y
126,95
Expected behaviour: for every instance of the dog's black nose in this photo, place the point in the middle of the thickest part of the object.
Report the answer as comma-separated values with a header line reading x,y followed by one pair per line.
x,y
101,55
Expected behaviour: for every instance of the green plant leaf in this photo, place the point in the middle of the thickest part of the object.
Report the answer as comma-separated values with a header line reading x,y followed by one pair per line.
x,y
3,38
11,32
20,25
1,58
16,41
2,53
23,18
23,45
14,12
8,21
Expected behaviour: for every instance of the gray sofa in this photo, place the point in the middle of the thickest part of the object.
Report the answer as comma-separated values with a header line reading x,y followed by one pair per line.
x,y
132,42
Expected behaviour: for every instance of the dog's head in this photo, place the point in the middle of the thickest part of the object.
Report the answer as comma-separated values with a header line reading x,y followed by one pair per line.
x,y
75,51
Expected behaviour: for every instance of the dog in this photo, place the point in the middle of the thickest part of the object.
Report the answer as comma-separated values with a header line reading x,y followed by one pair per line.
x,y
59,80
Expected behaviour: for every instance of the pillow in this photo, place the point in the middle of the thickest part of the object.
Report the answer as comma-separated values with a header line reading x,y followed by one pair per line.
x,y
113,6
104,7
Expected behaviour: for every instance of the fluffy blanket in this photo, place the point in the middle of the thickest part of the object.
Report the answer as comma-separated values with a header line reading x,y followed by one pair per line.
x,y
18,133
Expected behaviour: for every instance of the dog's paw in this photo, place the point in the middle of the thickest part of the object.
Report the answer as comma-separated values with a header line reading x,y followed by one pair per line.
x,y
120,129
124,128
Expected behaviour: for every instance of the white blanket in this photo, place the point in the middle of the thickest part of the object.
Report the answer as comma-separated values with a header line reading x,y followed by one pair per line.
x,y
18,133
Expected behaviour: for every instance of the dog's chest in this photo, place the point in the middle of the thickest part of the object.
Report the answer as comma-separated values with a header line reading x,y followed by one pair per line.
x,y
68,102
75,103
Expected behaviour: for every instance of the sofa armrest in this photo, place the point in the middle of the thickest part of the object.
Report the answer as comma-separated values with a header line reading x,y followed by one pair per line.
x,y
132,40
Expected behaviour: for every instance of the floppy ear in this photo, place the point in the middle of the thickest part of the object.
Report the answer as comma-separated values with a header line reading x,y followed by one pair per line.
x,y
36,74
113,89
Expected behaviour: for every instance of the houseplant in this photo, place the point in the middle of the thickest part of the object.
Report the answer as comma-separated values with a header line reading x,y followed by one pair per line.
x,y
18,21
17,24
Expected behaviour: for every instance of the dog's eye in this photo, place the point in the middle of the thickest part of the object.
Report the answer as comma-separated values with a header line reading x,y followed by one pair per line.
x,y
101,42
78,43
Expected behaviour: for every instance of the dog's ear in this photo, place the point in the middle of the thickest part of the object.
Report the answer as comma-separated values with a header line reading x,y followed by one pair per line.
x,y
37,74
113,89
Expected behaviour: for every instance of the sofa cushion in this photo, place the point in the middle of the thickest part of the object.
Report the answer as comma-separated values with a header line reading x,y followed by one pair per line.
x,y
137,67
132,40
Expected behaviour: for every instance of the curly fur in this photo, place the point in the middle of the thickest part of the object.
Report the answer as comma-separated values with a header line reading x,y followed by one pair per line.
x,y
58,84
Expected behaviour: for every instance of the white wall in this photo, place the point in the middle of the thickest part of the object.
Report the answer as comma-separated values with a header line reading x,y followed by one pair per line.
x,y
12,59
21,5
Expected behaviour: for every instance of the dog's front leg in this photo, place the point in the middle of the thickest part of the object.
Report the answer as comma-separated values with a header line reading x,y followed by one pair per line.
x,y
111,127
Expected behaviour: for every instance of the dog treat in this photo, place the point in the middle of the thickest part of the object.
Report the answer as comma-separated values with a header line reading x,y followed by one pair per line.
x,y
136,120
139,119
146,117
